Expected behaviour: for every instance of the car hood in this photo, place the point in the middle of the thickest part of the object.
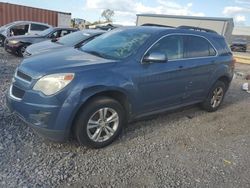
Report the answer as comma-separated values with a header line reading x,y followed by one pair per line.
x,y
66,60
42,47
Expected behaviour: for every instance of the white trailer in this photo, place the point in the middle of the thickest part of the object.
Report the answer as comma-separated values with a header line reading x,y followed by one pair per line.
x,y
223,26
64,19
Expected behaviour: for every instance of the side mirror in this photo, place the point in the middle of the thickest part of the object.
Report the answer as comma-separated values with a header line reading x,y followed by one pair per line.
x,y
155,57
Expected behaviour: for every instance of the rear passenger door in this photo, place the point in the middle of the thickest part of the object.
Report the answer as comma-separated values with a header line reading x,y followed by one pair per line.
x,y
200,63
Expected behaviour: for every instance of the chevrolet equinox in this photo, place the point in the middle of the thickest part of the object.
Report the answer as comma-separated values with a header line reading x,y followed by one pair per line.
x,y
125,74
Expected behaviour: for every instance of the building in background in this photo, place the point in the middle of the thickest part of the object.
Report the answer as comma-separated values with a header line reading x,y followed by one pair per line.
x,y
242,32
11,12
80,23
223,26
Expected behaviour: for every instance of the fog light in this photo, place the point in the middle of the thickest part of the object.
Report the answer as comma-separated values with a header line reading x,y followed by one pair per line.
x,y
40,119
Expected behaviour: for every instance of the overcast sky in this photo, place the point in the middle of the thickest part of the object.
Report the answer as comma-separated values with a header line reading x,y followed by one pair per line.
x,y
126,10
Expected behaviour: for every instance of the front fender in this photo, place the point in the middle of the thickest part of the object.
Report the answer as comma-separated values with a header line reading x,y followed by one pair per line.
x,y
78,97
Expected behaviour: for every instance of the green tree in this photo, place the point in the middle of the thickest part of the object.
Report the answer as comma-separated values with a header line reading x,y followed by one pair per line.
x,y
108,14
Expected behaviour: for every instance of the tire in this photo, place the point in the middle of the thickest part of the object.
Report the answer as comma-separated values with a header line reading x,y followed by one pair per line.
x,y
21,50
2,39
215,98
89,120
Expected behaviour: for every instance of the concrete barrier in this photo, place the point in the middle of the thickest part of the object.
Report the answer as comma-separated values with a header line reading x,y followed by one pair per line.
x,y
242,59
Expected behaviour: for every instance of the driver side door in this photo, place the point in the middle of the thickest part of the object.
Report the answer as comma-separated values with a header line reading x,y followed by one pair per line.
x,y
161,85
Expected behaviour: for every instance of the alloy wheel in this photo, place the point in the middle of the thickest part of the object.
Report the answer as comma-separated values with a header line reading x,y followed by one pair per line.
x,y
103,124
217,97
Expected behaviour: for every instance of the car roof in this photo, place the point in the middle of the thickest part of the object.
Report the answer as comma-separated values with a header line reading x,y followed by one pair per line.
x,y
93,31
169,30
28,22
68,28
149,29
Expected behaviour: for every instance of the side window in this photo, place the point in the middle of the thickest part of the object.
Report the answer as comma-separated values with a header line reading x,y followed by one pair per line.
x,y
198,47
19,29
38,27
171,46
55,34
65,32
224,47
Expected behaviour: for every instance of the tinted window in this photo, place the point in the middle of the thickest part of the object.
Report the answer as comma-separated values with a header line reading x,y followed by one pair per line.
x,y
19,29
117,44
55,34
38,27
75,38
171,46
65,32
224,47
198,47
23,26
46,32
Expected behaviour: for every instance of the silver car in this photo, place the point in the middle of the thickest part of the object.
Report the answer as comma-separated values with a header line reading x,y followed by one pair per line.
x,y
21,28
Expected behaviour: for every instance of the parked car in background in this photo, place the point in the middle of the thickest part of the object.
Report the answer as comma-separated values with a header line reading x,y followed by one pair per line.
x,y
18,44
21,28
122,75
239,45
76,40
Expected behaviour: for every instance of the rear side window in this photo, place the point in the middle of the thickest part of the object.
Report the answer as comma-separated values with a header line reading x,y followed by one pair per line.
x,y
198,47
65,32
224,49
38,27
56,34
171,46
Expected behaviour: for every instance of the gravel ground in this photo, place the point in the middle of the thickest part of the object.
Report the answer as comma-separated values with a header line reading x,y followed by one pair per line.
x,y
186,148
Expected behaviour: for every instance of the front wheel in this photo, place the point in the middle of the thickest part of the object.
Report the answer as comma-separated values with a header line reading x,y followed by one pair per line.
x,y
215,97
2,39
99,123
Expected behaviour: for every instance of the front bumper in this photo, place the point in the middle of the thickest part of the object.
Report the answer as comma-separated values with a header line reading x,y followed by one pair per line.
x,y
11,49
42,118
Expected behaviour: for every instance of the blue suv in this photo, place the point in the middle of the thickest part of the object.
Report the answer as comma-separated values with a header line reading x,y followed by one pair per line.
x,y
123,75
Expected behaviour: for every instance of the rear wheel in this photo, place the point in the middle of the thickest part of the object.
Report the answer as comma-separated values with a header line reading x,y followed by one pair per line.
x,y
99,123
215,97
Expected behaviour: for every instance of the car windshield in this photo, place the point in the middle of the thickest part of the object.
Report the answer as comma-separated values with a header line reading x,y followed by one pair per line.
x,y
117,44
75,38
46,32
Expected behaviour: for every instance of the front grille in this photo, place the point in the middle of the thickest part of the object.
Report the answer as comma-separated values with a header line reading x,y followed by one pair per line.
x,y
17,92
23,76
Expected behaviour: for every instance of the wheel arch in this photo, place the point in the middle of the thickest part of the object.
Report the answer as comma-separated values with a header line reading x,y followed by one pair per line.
x,y
226,80
114,93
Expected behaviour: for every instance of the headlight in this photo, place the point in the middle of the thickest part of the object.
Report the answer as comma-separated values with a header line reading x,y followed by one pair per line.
x,y
53,83
13,41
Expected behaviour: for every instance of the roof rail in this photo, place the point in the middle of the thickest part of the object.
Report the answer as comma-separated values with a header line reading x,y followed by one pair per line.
x,y
157,25
196,29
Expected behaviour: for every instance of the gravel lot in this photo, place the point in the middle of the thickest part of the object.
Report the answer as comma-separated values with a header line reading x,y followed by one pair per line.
x,y
186,148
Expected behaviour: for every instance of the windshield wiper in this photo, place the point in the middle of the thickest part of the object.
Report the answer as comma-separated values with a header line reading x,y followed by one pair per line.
x,y
95,53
